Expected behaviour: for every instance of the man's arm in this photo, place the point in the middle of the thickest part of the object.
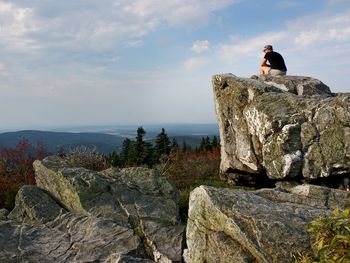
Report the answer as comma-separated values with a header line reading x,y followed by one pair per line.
x,y
264,67
264,64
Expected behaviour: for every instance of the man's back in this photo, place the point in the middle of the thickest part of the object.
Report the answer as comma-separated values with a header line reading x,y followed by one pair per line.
x,y
276,60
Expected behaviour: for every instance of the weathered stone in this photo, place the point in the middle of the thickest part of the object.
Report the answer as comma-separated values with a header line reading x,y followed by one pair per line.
x,y
299,85
263,128
113,193
138,198
33,204
267,225
3,214
166,243
71,237
118,258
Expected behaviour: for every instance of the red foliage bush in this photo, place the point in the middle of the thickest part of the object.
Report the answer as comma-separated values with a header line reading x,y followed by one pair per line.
x,y
16,169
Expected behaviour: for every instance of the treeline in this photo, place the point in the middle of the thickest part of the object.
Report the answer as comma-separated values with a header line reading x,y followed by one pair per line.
x,y
141,152
173,160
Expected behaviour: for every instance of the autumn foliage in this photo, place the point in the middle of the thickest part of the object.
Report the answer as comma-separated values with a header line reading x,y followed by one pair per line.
x,y
183,167
16,169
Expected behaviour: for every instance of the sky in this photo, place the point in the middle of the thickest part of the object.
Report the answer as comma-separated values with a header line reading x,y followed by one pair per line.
x,y
89,62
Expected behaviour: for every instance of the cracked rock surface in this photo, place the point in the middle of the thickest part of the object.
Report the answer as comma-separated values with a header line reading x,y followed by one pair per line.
x,y
288,127
117,215
267,225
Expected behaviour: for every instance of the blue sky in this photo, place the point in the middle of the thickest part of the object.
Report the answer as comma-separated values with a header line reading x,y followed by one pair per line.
x,y
84,62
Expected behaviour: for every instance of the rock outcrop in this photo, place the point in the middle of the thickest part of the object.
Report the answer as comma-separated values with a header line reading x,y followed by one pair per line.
x,y
263,226
79,215
33,204
289,128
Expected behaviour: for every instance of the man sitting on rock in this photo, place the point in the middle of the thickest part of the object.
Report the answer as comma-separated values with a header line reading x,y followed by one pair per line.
x,y
276,66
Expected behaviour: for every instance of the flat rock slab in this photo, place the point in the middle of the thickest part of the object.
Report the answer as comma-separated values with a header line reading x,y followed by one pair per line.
x,y
268,225
72,237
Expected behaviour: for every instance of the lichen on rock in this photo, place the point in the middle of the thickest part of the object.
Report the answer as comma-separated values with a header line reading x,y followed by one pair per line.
x,y
281,132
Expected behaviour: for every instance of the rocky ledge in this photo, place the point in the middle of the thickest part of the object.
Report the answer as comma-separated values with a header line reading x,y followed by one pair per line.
x,y
281,128
78,215
263,226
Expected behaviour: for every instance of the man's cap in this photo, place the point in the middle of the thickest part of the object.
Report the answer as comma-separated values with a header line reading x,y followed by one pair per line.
x,y
268,47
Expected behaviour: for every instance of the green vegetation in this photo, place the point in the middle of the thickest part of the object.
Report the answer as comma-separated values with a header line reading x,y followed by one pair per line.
x,y
330,241
186,167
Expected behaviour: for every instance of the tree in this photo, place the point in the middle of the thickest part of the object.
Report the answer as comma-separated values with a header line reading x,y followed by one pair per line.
x,y
185,147
162,146
143,152
114,159
126,154
205,144
214,142
174,144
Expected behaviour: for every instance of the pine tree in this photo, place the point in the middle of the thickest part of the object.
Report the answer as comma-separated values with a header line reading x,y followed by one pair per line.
x,y
202,145
162,146
174,144
214,142
185,147
114,159
126,154
207,144
143,152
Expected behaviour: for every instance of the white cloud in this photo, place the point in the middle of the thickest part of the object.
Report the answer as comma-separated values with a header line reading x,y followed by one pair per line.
x,y
335,2
300,34
135,43
200,46
15,24
196,62
306,38
248,47
90,25
175,12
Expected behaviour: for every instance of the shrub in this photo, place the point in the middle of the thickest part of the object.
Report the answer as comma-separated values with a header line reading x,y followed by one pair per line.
x,y
330,241
88,158
16,169
189,169
184,167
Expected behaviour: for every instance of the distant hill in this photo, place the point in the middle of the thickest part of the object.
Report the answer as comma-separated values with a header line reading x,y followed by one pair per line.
x,y
54,141
108,139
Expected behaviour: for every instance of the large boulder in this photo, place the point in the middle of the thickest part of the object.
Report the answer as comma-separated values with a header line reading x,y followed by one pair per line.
x,y
265,128
132,206
268,225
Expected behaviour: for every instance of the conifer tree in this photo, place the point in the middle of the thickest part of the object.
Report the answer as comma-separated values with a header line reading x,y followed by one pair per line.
x,y
185,147
162,146
114,159
174,144
214,142
207,144
126,154
142,150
